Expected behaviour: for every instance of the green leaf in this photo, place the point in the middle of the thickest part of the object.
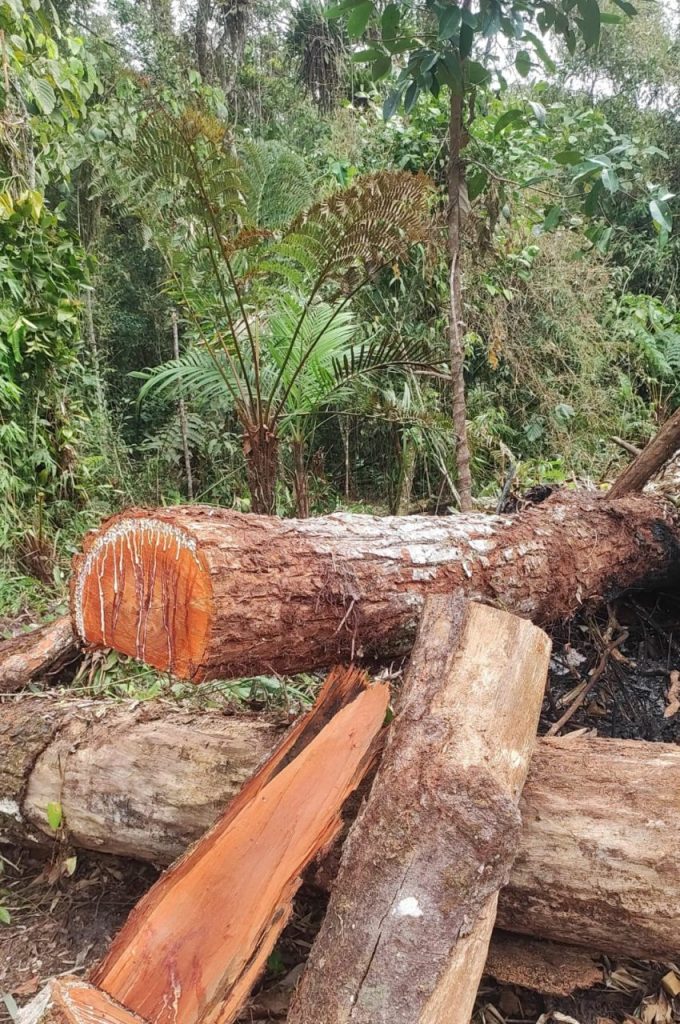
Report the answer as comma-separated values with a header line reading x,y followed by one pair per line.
x,y
366,56
610,19
411,96
449,22
389,23
43,94
508,118
54,816
661,214
568,157
391,103
5,916
538,111
610,179
358,19
381,67
523,63
590,21
626,7
338,10
552,218
541,51
477,74
476,184
449,73
466,40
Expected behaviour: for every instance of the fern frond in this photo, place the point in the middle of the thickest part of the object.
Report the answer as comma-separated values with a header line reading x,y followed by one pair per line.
x,y
276,183
362,228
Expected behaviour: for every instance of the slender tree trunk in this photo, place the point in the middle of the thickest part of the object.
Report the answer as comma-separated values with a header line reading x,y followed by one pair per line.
x,y
184,427
201,37
456,181
649,461
300,480
261,447
409,459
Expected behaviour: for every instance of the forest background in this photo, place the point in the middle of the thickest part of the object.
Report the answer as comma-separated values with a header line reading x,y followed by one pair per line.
x,y
221,282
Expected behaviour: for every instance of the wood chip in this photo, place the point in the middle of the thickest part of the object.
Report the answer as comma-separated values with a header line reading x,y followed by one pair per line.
x,y
670,981
673,695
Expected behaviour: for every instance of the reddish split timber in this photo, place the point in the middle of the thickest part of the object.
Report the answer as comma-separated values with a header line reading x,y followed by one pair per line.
x,y
208,593
194,946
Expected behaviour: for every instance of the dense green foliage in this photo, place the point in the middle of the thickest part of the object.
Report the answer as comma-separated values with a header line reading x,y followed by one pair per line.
x,y
233,166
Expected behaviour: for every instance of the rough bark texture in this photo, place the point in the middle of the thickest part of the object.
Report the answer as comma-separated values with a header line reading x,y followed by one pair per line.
x,y
194,946
613,834
147,781
42,652
547,967
207,593
650,460
141,781
406,933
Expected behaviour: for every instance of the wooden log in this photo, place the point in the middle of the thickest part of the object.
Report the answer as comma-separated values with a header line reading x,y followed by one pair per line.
x,y
42,652
600,817
550,968
650,460
208,593
194,946
138,780
407,930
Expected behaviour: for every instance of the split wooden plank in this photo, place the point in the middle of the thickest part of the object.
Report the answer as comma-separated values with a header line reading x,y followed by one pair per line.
x,y
407,930
194,946
69,1000
44,651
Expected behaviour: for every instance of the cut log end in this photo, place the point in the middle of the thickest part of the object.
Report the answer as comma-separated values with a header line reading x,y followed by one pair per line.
x,y
68,1000
142,587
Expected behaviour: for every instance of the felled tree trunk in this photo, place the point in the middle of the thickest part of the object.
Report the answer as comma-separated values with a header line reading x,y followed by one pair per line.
x,y
206,593
139,780
42,652
650,460
194,946
405,937
601,818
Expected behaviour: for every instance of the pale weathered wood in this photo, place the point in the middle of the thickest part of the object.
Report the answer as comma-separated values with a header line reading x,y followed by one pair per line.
x,y
407,930
609,847
209,593
43,652
69,1000
140,780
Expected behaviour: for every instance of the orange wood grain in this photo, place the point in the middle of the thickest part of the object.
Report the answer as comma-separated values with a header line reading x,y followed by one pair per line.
x,y
192,949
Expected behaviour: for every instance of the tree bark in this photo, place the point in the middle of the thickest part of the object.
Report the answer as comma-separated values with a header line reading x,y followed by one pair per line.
x,y
600,817
44,651
405,937
456,183
139,780
650,460
261,449
207,593
300,479
196,943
